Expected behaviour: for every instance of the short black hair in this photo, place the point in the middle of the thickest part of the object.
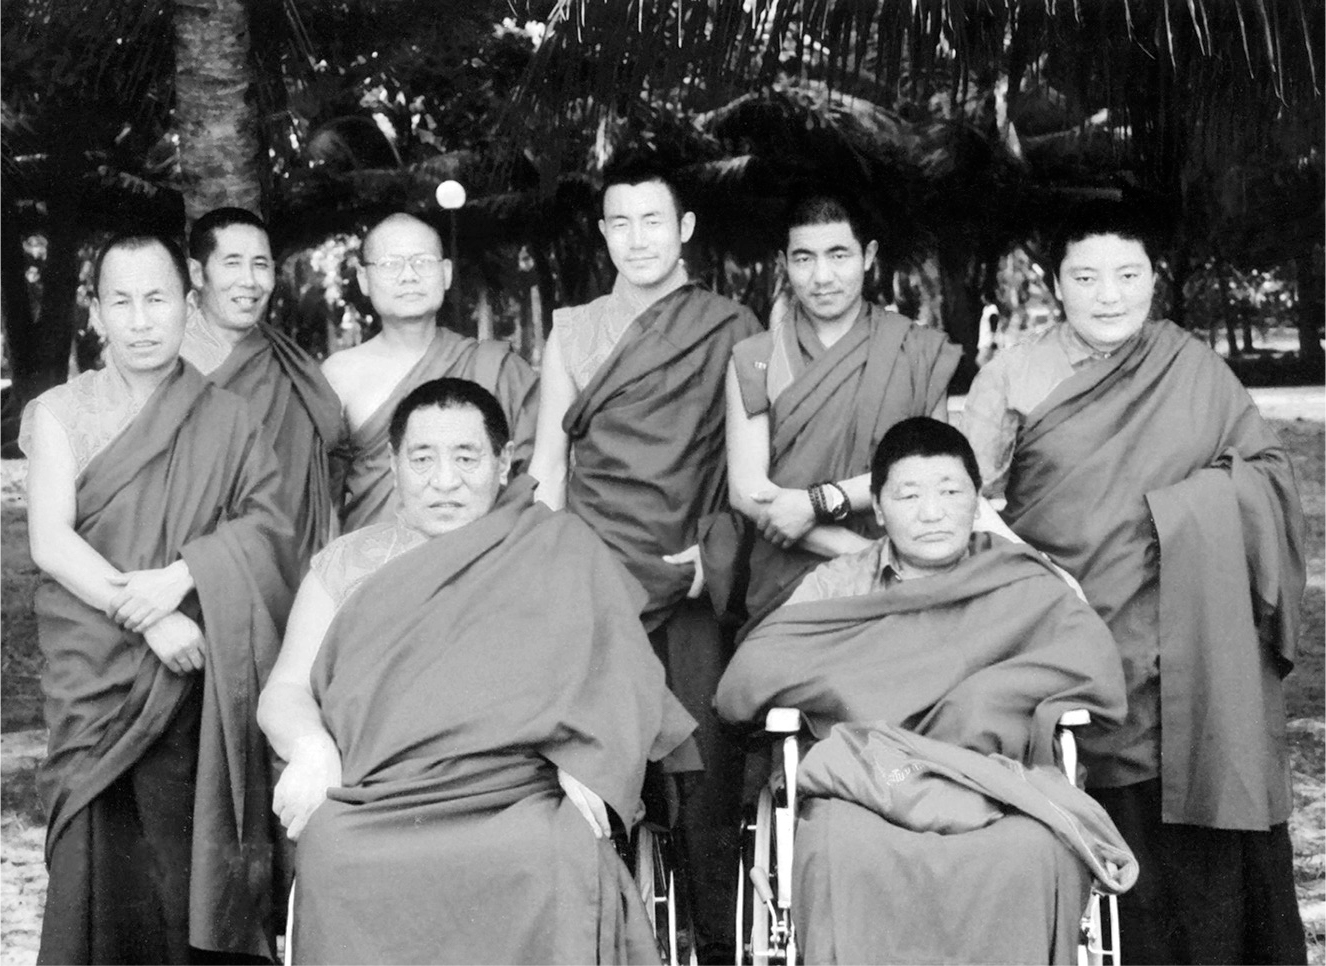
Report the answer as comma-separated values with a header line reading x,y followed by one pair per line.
x,y
921,436
449,393
640,168
819,207
1103,217
202,236
134,240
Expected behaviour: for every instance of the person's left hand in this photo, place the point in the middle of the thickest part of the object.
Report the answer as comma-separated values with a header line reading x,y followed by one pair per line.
x,y
785,515
587,804
146,596
691,555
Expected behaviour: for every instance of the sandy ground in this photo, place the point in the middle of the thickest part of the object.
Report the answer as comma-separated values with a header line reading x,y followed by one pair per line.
x,y
23,873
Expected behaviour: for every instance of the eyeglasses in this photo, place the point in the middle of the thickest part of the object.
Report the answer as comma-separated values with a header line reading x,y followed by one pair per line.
x,y
420,264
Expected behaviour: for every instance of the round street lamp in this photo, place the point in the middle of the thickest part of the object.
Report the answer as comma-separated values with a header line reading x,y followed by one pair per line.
x,y
451,196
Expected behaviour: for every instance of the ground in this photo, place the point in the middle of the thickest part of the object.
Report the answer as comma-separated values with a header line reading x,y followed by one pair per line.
x,y
1296,414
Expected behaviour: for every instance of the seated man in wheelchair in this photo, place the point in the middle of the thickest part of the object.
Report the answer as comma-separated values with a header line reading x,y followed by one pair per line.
x,y
465,696
933,826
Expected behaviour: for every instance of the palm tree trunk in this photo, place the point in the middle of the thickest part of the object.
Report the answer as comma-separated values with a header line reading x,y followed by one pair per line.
x,y
215,112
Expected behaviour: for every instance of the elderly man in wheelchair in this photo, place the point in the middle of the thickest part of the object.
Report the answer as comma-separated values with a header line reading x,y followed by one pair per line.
x,y
933,822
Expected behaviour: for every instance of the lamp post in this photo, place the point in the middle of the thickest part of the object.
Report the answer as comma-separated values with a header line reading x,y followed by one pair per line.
x,y
451,196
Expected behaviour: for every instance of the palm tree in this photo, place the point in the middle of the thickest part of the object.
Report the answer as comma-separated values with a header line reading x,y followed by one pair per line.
x,y
1188,88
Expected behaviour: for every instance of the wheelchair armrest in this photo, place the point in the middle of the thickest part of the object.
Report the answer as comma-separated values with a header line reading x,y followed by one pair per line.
x,y
782,721
1075,718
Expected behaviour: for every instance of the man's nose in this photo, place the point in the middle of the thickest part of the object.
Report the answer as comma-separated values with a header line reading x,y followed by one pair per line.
x,y
1108,290
637,235
138,317
444,475
823,270
931,507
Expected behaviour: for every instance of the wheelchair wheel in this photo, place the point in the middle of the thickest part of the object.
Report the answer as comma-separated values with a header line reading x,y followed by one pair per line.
x,y
656,878
764,933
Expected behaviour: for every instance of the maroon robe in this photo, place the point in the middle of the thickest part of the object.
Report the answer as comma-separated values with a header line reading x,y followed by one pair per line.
x,y
647,437
1152,478
826,425
985,657
301,417
191,477
456,681
362,467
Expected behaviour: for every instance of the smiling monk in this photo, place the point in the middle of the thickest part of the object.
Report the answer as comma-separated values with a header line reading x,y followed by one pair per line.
x,y
229,340
1130,453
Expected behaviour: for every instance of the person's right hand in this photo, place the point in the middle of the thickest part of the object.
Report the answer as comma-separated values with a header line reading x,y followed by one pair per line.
x,y
315,766
178,642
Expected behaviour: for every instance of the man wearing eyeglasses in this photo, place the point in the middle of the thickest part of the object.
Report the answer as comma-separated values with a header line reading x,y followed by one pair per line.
x,y
405,274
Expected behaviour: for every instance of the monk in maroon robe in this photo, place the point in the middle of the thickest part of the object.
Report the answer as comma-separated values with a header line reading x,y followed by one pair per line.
x,y
977,646
1130,454
405,274
152,509
481,705
233,272
631,440
808,402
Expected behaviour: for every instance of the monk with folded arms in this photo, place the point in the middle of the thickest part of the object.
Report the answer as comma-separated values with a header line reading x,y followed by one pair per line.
x,y
405,274
229,340
1129,452
152,510
808,401
467,700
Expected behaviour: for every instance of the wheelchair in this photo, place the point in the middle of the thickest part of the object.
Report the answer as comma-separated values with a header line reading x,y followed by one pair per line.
x,y
765,932
652,854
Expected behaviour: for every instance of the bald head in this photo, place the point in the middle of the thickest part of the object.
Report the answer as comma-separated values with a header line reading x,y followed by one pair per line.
x,y
395,221
404,272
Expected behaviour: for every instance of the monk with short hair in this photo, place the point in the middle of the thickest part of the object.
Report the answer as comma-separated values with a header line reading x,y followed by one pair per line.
x,y
467,700
405,274
229,340
631,440
1129,452
809,400
153,511
932,666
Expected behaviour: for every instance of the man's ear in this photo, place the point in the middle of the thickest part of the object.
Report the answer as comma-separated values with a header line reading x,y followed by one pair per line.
x,y
603,228
361,276
878,508
504,462
872,250
94,317
196,273
446,274
687,226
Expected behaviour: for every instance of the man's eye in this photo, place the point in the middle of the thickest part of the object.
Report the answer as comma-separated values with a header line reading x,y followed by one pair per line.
x,y
467,462
421,462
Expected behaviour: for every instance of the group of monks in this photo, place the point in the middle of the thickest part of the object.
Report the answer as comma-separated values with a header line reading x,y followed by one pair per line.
x,y
411,627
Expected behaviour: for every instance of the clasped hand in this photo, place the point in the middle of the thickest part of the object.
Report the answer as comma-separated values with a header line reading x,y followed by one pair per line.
x,y
315,766
178,642
783,516
146,596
